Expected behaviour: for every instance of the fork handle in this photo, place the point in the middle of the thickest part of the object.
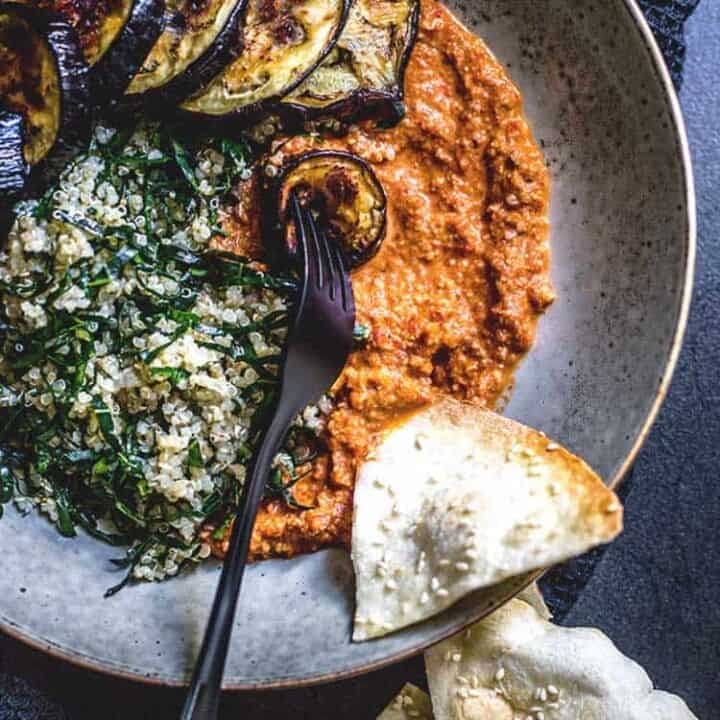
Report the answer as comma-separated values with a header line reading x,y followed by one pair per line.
x,y
203,698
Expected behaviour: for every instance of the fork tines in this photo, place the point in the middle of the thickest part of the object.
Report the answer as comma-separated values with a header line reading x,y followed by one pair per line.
x,y
323,261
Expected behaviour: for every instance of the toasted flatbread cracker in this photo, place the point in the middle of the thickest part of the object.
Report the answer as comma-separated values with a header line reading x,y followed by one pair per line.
x,y
533,597
515,664
458,498
411,703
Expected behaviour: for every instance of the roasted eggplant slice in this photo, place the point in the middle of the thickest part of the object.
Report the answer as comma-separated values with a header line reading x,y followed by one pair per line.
x,y
199,40
98,22
125,34
363,75
43,78
342,190
116,36
283,42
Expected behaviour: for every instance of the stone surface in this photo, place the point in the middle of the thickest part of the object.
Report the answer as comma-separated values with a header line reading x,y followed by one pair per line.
x,y
619,220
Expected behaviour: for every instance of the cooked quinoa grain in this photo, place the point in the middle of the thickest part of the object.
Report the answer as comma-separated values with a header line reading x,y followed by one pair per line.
x,y
137,364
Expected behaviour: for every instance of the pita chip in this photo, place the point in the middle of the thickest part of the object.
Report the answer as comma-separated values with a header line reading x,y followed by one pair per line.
x,y
515,664
411,704
457,498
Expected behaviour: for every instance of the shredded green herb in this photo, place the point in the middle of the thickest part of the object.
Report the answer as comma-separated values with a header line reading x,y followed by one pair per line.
x,y
138,366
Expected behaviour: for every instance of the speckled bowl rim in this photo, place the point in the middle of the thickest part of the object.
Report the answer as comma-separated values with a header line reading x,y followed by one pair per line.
x,y
85,663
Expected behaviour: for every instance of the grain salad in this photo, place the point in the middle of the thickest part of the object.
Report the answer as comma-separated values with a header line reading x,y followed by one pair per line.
x,y
448,306
137,363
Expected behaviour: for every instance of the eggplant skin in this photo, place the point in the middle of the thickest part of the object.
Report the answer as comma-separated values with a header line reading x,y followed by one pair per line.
x,y
29,83
224,48
73,96
341,189
13,167
364,75
118,65
283,42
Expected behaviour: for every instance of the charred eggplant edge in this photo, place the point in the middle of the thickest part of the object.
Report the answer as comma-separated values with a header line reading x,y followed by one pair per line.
x,y
247,113
13,166
223,50
274,226
364,103
74,126
112,73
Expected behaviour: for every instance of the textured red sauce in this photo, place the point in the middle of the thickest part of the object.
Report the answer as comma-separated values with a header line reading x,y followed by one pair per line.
x,y
453,297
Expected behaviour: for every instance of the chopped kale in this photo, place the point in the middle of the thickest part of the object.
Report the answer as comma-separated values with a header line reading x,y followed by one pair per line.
x,y
52,372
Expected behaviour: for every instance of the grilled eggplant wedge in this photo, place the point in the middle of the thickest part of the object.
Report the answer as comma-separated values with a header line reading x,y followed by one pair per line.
x,y
124,35
283,42
44,79
363,75
116,36
199,40
342,191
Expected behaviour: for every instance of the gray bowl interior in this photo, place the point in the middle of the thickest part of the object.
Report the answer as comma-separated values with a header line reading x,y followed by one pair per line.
x,y
621,240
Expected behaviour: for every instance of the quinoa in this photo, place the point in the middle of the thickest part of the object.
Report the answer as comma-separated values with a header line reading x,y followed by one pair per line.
x,y
137,364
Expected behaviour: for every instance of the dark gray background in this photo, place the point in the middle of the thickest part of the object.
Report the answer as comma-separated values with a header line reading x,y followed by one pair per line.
x,y
655,592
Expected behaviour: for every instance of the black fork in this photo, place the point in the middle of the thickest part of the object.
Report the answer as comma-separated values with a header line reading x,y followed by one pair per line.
x,y
318,347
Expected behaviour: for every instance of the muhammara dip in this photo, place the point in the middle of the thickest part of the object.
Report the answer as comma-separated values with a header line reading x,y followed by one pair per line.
x,y
452,300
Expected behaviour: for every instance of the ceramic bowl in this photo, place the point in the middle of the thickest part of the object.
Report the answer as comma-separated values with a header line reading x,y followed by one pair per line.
x,y
602,104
